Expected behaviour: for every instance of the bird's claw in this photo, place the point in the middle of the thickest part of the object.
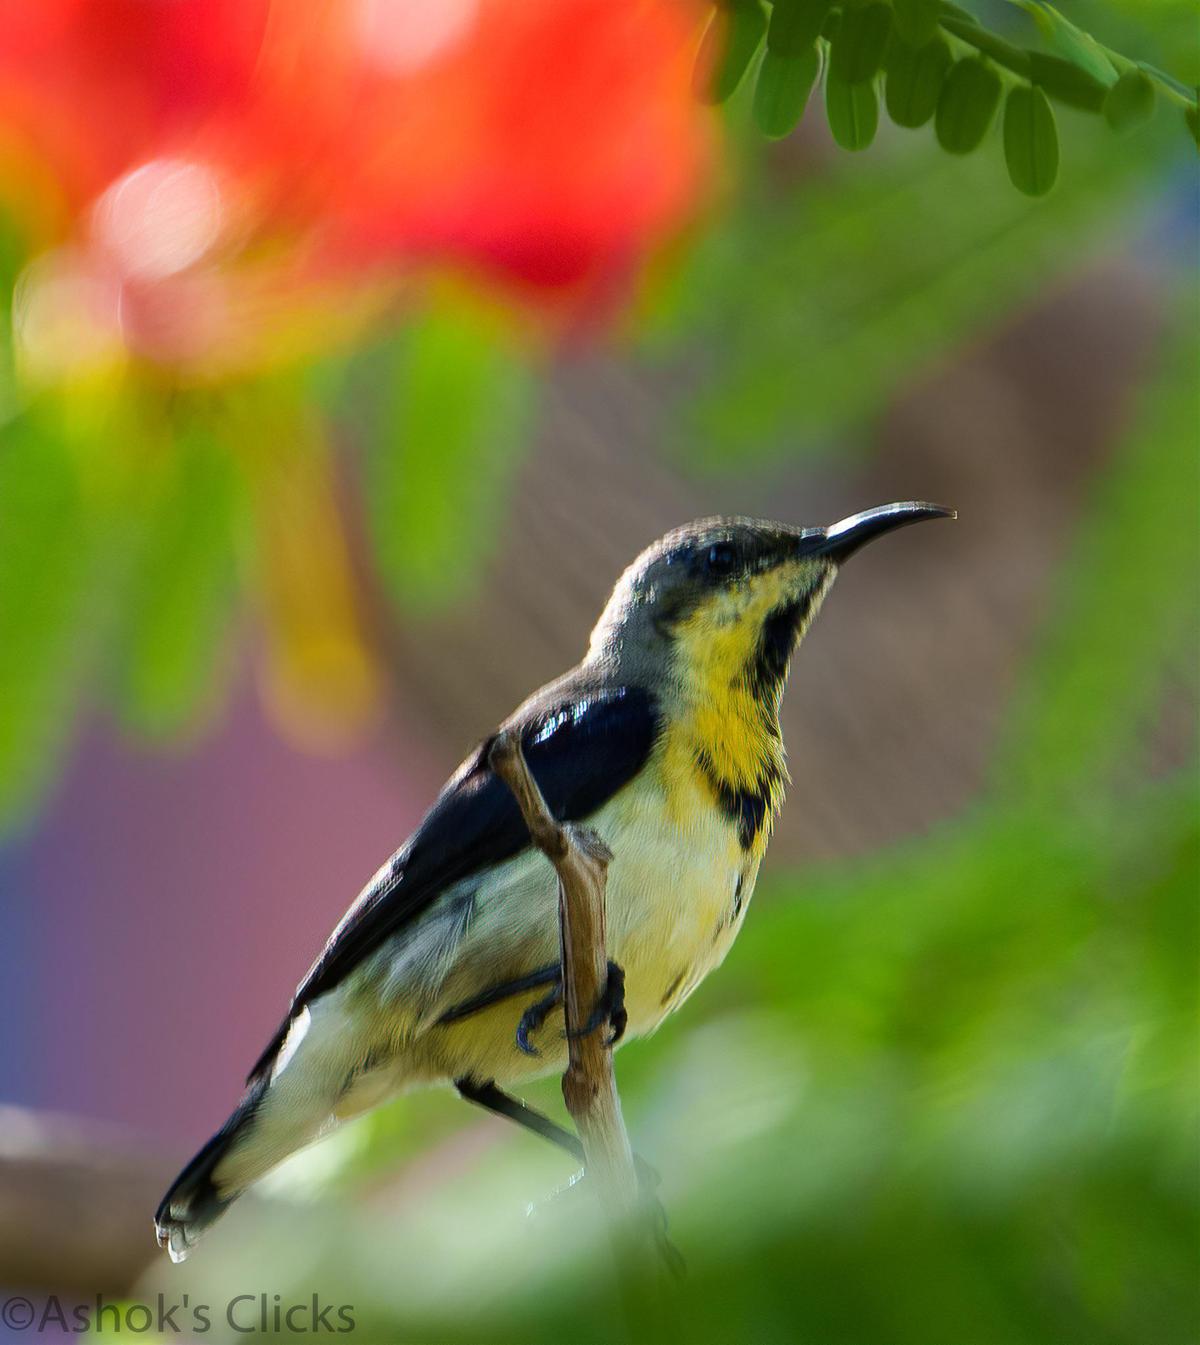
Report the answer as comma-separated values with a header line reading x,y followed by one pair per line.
x,y
671,1256
534,1016
655,1212
610,1008
649,1177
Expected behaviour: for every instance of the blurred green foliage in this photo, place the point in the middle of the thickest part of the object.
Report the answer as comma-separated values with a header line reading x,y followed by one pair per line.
x,y
139,522
816,299
181,583
120,531
43,566
455,418
1132,588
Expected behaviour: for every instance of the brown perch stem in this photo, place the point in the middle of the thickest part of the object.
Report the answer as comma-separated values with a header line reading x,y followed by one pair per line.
x,y
589,1085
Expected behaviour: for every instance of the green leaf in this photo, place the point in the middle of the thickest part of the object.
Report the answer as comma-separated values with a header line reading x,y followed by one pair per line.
x,y
14,252
1004,53
1191,117
730,42
856,52
442,462
968,103
916,20
181,592
853,112
1176,86
1079,48
782,89
1030,141
914,80
1130,101
1066,82
796,25
45,551
947,10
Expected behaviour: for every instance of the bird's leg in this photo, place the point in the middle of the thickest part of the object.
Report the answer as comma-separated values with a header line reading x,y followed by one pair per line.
x,y
609,1009
494,994
496,1100
500,1103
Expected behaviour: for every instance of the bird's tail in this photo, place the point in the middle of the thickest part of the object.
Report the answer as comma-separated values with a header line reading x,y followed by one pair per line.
x,y
205,1188
304,1092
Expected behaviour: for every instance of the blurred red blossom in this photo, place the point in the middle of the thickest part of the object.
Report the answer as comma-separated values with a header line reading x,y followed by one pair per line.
x,y
209,170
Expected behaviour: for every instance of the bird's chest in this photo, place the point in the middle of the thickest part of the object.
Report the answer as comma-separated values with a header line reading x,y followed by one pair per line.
x,y
678,889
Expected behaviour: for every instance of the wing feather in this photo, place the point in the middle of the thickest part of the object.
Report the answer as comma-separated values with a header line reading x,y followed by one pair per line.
x,y
581,749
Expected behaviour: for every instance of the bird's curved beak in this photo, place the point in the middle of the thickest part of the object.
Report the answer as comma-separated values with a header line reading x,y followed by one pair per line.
x,y
841,540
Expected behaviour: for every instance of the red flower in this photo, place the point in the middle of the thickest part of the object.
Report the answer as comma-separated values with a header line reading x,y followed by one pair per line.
x,y
96,87
550,140
549,143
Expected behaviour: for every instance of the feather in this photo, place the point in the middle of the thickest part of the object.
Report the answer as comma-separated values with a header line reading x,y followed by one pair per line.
x,y
581,749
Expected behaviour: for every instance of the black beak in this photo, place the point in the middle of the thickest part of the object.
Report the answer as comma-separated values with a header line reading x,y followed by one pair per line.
x,y
841,540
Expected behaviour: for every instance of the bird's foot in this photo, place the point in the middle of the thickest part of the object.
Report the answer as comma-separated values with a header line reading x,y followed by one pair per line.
x,y
655,1213
610,1008
669,1254
534,1016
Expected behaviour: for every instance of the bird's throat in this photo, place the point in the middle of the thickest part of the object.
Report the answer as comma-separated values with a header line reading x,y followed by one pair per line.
x,y
726,738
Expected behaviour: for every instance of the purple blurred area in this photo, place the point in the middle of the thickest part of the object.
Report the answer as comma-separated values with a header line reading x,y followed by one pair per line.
x,y
169,903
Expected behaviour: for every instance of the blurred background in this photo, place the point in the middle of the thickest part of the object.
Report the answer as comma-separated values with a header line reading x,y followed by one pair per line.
x,y
350,352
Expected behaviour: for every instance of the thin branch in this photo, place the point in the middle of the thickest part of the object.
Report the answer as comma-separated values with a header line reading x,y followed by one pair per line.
x,y
589,1085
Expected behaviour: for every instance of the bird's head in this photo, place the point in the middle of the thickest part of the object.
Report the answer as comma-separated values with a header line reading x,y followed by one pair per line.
x,y
730,597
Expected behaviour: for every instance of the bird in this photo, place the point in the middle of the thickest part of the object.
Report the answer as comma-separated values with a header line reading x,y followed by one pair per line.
x,y
665,739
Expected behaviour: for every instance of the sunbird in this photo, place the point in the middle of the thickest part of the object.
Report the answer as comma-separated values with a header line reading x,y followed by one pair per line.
x,y
665,739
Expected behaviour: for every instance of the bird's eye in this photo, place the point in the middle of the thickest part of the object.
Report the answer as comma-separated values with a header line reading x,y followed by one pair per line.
x,y
721,558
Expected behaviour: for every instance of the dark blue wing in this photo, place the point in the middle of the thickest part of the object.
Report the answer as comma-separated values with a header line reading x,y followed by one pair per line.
x,y
581,751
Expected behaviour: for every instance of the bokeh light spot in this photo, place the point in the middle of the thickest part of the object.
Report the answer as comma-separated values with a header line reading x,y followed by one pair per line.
x,y
401,36
65,316
161,218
